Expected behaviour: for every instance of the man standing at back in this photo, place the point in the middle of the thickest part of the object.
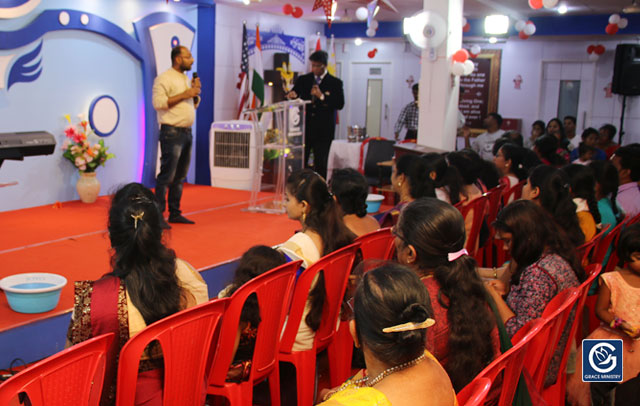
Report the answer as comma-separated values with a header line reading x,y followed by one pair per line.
x,y
326,95
408,118
483,143
175,101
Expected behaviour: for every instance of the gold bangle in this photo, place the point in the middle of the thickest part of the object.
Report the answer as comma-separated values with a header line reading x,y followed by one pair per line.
x,y
495,273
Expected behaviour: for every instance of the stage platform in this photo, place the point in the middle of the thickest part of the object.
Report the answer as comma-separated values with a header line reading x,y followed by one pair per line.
x,y
71,239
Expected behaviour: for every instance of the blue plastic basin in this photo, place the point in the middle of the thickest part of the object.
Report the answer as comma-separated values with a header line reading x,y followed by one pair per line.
x,y
374,202
33,292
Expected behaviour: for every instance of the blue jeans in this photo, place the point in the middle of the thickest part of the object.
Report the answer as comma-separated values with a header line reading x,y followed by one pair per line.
x,y
175,144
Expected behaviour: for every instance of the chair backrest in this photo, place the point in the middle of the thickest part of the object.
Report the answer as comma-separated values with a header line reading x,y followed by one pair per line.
x,y
584,251
511,363
605,243
186,341
494,197
477,207
377,244
273,290
71,377
336,268
378,150
514,191
474,393
543,346
634,220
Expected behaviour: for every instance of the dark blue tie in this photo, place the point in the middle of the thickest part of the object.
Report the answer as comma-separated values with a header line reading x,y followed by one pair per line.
x,y
318,80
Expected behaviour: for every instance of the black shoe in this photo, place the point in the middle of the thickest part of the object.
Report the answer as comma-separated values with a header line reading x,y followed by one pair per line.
x,y
180,219
164,225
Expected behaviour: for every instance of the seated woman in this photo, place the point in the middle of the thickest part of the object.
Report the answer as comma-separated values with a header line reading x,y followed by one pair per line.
x,y
549,187
510,161
146,284
583,190
410,180
391,314
606,176
323,231
546,147
256,261
446,178
350,189
430,239
544,263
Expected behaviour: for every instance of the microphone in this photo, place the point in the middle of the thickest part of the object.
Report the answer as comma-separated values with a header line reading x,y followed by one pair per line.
x,y
196,98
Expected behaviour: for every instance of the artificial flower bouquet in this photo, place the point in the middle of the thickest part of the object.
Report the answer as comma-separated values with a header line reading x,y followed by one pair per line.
x,y
79,151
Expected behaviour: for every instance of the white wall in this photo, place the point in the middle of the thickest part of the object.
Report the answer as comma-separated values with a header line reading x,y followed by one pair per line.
x,y
229,49
526,58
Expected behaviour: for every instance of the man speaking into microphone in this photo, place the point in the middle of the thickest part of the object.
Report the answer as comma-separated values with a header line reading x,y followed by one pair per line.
x,y
326,95
175,100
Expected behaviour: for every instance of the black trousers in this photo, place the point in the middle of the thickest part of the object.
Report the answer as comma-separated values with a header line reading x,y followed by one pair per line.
x,y
411,135
175,144
320,147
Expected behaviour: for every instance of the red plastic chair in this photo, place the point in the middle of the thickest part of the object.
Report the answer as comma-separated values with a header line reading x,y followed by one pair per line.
x,y
336,268
186,340
592,271
515,191
543,346
474,393
511,362
377,244
478,208
71,377
494,197
634,220
585,250
270,289
554,394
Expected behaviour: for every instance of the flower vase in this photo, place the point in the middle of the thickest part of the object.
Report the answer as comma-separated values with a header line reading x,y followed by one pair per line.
x,y
88,187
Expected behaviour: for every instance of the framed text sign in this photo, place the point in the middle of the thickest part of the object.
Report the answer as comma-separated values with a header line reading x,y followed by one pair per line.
x,y
481,88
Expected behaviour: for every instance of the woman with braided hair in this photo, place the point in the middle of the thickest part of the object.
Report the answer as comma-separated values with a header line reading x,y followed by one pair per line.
x,y
583,190
146,283
350,190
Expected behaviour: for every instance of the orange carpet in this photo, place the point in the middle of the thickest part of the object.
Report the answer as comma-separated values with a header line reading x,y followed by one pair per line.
x,y
72,240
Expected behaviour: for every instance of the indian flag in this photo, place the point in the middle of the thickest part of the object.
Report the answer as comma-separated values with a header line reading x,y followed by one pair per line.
x,y
257,78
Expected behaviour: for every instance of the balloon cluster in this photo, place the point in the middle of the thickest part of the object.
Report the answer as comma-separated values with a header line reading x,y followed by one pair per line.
x,y
366,13
462,65
525,28
538,4
295,12
595,51
474,51
466,27
615,23
371,54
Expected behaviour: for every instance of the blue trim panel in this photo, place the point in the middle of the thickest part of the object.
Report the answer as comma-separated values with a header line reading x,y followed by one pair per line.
x,y
93,105
386,29
206,37
12,3
149,72
38,340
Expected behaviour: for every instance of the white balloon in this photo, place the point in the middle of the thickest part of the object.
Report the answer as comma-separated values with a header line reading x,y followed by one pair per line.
x,y
614,18
464,21
457,69
469,67
529,29
371,32
594,57
374,24
475,49
549,3
362,13
622,24
520,25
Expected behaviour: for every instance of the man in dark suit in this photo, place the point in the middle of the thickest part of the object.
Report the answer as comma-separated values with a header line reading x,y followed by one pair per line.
x,y
326,95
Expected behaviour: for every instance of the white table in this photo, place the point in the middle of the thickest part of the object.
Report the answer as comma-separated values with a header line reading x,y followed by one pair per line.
x,y
343,154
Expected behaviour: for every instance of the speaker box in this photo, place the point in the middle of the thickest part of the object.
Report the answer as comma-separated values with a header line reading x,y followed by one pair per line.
x,y
626,71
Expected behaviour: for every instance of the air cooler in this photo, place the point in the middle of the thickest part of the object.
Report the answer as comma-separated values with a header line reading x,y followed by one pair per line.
x,y
231,157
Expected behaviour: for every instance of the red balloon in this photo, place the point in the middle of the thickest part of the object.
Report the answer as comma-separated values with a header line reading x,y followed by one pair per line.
x,y
466,27
611,29
591,49
287,9
599,49
535,4
297,12
371,54
522,35
461,55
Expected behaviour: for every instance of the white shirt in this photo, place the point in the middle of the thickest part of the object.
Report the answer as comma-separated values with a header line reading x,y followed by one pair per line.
x,y
483,144
574,142
171,83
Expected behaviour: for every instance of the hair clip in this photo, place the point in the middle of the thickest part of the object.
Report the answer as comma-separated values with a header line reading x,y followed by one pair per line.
x,y
140,199
137,217
409,326
452,256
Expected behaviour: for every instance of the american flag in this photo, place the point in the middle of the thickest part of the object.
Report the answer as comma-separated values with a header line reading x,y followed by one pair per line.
x,y
243,84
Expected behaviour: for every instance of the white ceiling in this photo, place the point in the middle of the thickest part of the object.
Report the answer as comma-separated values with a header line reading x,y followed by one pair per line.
x,y
472,8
